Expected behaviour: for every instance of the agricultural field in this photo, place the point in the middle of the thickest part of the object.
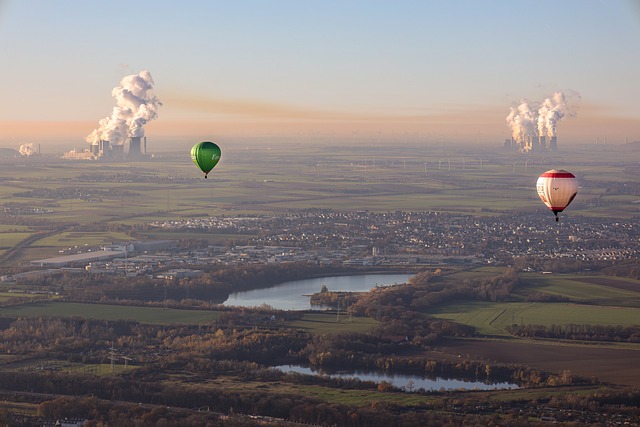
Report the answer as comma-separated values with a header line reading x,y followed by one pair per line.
x,y
493,318
110,312
594,300
436,179
324,323
318,323
51,193
64,239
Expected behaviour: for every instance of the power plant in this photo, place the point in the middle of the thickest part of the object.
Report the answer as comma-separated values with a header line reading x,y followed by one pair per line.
x,y
531,144
532,123
105,151
120,136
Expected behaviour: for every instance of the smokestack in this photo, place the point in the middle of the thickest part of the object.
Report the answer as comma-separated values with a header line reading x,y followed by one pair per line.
x,y
553,144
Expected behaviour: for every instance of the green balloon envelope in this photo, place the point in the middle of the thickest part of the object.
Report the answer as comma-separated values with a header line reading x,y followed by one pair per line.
x,y
205,155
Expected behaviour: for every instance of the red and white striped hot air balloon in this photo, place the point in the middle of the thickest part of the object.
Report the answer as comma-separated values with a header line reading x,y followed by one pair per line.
x,y
557,188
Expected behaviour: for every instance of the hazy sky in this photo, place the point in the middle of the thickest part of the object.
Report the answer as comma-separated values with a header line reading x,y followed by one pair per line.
x,y
431,69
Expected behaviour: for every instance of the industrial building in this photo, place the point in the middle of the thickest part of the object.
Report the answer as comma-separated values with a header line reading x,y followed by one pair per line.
x,y
108,252
78,259
531,144
104,150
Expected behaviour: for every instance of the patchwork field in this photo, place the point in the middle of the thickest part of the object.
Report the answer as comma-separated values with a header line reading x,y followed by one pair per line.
x,y
595,300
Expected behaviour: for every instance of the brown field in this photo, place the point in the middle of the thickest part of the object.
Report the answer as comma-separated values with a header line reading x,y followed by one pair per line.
x,y
607,364
613,283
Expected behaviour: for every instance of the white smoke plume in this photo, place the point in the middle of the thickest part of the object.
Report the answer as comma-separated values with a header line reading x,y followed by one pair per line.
x,y
541,119
27,149
521,120
136,105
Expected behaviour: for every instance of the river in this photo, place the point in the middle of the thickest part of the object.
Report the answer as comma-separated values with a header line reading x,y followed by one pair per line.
x,y
408,382
295,295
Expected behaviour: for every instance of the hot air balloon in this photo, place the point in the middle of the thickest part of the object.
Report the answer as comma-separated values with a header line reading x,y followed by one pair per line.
x,y
205,155
557,188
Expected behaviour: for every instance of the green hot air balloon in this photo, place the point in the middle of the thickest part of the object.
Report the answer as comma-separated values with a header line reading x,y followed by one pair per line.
x,y
205,155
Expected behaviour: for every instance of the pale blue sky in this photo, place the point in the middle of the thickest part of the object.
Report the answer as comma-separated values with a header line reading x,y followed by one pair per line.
x,y
274,65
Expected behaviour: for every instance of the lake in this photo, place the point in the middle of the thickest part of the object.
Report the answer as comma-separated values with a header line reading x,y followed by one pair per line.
x,y
407,382
295,295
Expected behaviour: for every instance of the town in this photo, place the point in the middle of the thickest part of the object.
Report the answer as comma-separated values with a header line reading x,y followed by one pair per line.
x,y
361,238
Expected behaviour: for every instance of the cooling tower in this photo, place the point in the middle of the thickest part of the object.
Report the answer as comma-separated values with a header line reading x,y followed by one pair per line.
x,y
542,142
135,151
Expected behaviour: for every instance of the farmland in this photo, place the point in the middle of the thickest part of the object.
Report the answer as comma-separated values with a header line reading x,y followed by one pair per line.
x,y
609,301
318,323
593,300
192,347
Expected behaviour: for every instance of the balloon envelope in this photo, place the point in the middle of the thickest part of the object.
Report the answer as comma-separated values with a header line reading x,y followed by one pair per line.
x,y
205,155
557,188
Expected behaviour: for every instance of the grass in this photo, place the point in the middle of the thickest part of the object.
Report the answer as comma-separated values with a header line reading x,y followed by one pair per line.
x,y
8,239
318,323
325,323
606,290
594,300
4,296
492,318
362,397
87,239
111,312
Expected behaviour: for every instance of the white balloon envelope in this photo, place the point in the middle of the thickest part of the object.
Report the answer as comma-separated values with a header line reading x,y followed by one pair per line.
x,y
557,188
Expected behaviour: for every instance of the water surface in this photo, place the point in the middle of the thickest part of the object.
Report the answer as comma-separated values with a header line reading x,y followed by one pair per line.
x,y
408,382
295,295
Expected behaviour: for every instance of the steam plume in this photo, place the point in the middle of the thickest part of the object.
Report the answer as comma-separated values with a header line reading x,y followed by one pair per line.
x,y
136,105
27,149
533,119
521,120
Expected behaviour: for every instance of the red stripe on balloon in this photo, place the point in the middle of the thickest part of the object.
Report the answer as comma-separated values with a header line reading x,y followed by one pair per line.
x,y
557,175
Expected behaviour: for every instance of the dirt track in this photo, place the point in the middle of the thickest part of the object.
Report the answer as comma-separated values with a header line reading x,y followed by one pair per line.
x,y
616,366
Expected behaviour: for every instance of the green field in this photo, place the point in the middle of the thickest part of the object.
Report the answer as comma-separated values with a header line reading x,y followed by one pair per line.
x,y
493,318
110,312
9,239
320,323
593,300
600,290
4,296
89,239
324,323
